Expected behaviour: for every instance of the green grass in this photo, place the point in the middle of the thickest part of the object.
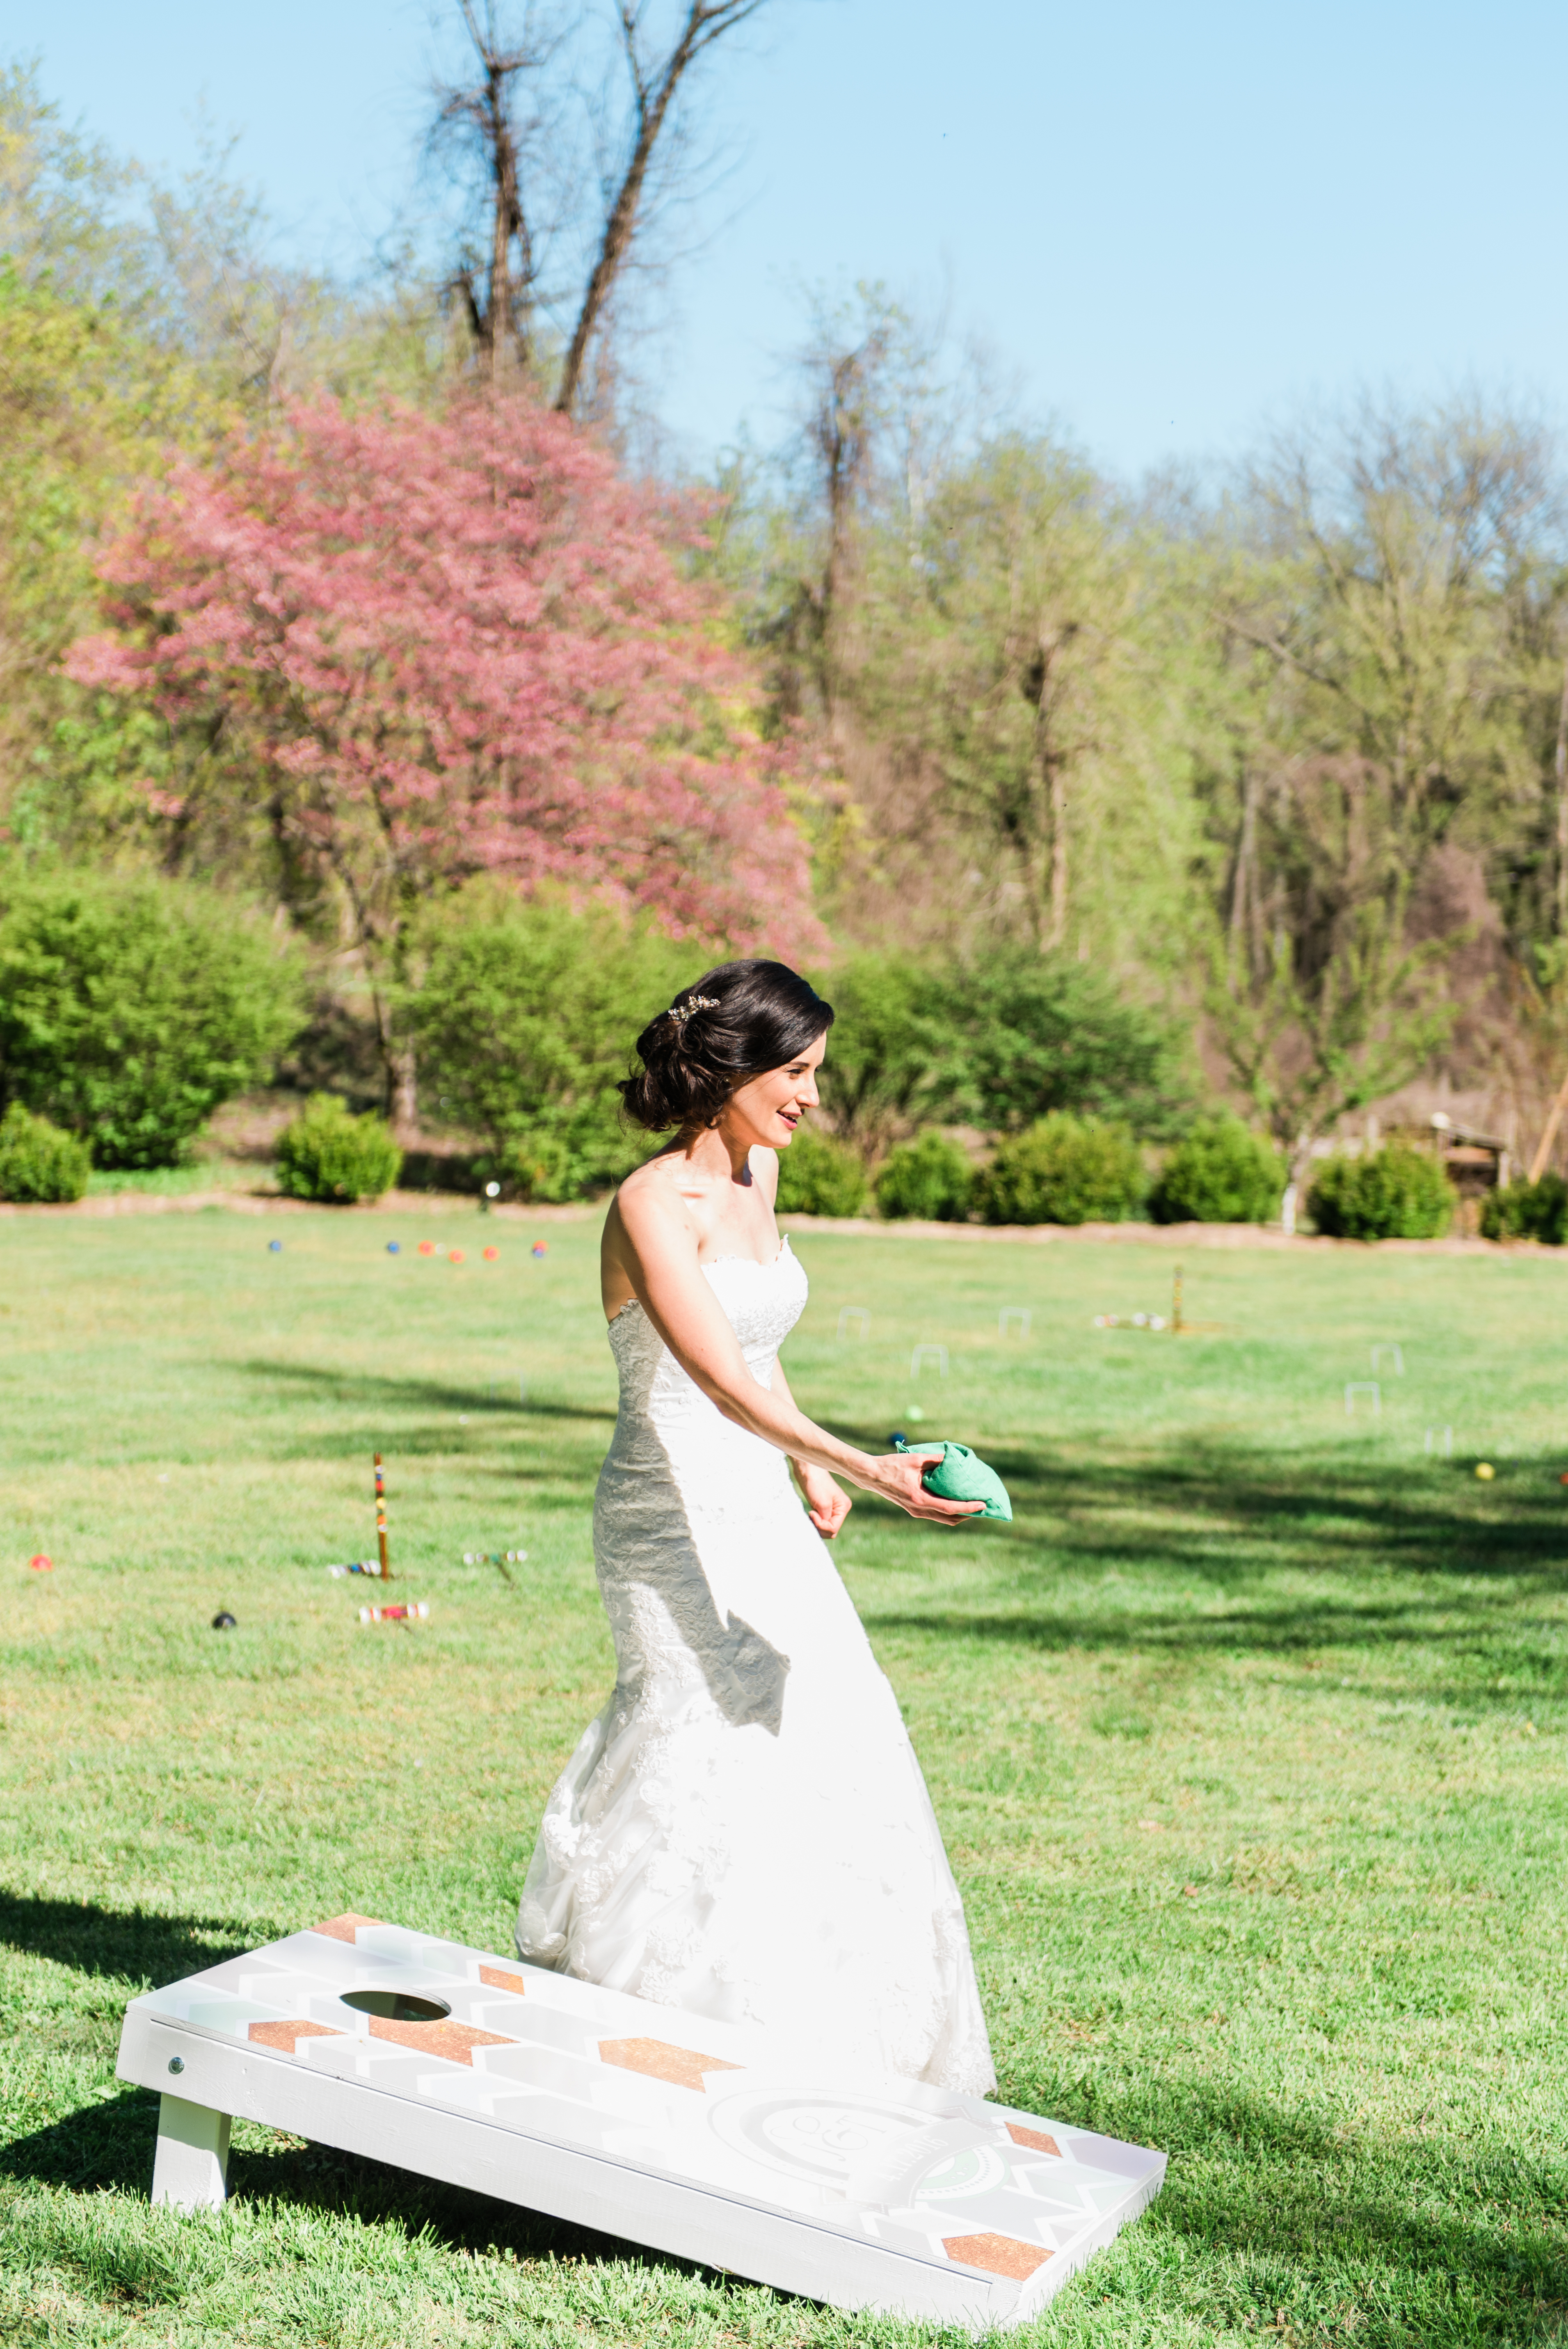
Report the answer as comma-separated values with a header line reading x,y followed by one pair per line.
x,y
1247,1738
177,1181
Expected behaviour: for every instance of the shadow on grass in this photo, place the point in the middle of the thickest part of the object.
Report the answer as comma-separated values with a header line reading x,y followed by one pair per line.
x,y
1280,2204
109,2148
366,1390
1278,1558
1299,2206
134,1945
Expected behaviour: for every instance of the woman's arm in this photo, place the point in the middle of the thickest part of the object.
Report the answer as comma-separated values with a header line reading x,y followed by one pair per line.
x,y
659,1250
827,1504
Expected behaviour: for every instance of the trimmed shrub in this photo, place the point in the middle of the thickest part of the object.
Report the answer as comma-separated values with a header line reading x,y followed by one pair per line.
x,y
130,1009
931,1178
38,1163
1528,1211
1065,1170
329,1156
1222,1173
818,1176
1397,1193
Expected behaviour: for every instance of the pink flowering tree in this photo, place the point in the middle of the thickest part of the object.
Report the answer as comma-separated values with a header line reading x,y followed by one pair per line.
x,y
405,650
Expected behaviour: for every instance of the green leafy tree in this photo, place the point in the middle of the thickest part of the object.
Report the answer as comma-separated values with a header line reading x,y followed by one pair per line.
x,y
893,1052
131,1008
1065,1170
1040,1033
524,1014
1374,599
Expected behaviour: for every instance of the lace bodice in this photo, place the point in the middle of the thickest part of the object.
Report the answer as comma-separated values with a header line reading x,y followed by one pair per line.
x,y
744,1831
762,1302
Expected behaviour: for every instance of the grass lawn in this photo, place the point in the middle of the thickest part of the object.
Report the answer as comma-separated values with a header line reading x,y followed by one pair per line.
x,y
1247,1737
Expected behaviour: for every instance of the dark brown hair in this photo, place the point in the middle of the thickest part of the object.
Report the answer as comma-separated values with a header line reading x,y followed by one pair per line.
x,y
734,1022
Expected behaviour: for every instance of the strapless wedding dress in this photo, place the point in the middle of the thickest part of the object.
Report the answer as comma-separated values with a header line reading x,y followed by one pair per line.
x,y
744,1832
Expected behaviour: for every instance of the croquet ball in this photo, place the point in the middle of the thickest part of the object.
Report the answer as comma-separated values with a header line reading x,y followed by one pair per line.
x,y
914,1412
1485,1471
538,1248
224,1621
42,1564
897,1435
454,1256
426,1247
274,1247
392,1248
490,1255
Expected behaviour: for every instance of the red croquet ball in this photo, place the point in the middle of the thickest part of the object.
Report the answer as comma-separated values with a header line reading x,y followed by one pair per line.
x,y
491,1254
455,1256
42,1564
426,1247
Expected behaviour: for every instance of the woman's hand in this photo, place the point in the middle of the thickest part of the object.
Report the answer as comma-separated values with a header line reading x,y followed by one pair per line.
x,y
827,1504
896,1476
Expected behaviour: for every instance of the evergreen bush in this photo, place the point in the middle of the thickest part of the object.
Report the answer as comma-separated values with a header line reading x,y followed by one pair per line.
x,y
1221,1173
1528,1211
129,1009
38,1163
818,1176
1397,1193
1065,1170
330,1155
930,1178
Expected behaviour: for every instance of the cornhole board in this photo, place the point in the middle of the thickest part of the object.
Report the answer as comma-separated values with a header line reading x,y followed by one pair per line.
x,y
614,2113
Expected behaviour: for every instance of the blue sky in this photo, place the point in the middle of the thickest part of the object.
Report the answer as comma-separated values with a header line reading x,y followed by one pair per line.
x,y
1174,221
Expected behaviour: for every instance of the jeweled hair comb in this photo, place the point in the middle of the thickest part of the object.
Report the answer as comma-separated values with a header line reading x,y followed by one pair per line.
x,y
681,1013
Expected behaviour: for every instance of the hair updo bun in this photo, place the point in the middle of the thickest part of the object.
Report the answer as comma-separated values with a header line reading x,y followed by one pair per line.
x,y
735,1022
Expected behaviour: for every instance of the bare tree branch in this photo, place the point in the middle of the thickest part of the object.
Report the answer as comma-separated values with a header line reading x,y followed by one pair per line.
x,y
655,85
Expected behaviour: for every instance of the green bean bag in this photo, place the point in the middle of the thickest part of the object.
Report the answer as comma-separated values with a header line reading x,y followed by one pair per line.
x,y
961,1475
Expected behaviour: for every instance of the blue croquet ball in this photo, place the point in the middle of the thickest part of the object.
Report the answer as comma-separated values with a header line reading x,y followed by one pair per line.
x,y
277,1246
391,1247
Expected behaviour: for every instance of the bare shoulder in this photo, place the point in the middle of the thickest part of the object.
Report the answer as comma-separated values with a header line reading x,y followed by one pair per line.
x,y
655,1198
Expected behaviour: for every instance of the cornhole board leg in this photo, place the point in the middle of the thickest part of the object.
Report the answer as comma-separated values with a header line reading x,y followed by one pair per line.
x,y
190,2167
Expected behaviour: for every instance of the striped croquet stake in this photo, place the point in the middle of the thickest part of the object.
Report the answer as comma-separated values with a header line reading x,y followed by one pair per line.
x,y
381,1520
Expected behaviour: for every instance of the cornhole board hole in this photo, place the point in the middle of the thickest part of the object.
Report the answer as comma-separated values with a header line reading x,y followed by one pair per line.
x,y
608,2111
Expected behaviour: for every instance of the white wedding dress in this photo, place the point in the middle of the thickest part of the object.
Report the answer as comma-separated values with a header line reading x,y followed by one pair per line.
x,y
744,1832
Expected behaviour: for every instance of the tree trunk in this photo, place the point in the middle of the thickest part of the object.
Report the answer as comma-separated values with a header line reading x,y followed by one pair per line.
x,y
1559,769
405,1103
1057,928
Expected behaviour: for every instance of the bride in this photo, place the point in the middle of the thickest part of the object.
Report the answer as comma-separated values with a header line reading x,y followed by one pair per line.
x,y
744,1832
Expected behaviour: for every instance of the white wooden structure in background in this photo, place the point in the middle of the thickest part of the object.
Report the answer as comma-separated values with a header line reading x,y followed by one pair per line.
x,y
637,2119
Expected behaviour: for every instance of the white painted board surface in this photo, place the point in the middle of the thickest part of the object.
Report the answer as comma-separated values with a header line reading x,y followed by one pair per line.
x,y
686,2135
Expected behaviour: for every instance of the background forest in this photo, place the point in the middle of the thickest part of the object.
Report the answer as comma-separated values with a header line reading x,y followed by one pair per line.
x,y
381,717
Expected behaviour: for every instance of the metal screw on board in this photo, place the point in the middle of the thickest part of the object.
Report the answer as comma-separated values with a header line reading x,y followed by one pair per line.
x,y
177,2062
